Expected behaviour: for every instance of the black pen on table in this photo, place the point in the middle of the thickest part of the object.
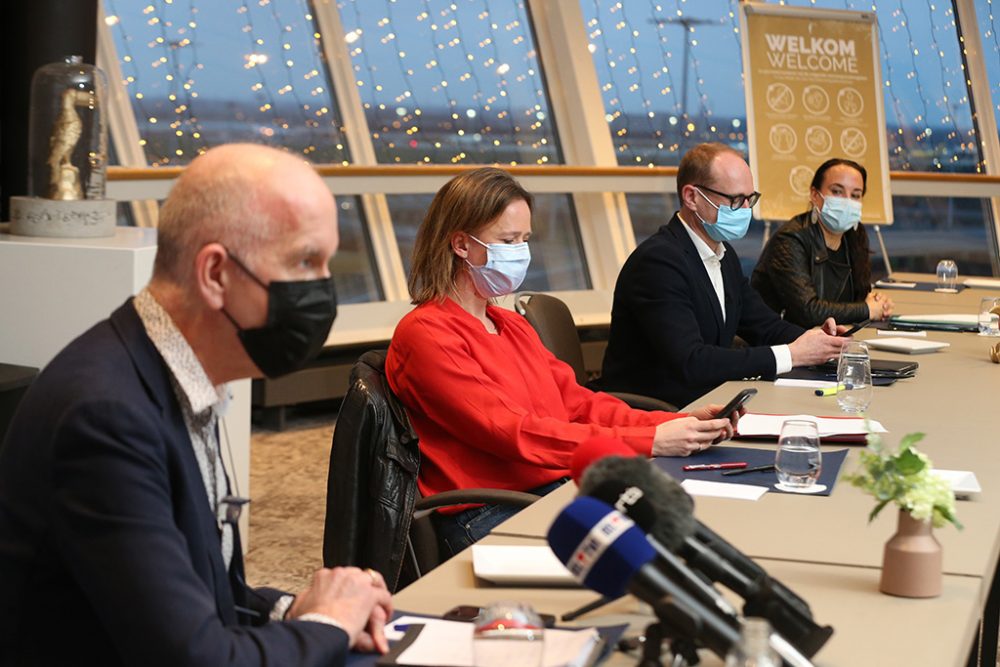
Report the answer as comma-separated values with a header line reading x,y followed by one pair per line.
x,y
754,469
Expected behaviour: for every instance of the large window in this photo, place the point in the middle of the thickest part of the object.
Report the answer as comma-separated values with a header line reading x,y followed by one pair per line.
x,y
988,15
200,74
460,82
671,76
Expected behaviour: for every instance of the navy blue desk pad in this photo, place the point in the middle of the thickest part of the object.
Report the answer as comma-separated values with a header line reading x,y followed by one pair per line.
x,y
919,287
674,466
816,373
609,636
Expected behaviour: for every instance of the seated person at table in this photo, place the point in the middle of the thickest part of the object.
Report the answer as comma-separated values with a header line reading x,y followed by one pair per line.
x,y
818,264
118,544
492,406
681,297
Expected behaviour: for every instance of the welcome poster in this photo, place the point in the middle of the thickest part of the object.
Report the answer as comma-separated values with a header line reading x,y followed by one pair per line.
x,y
813,87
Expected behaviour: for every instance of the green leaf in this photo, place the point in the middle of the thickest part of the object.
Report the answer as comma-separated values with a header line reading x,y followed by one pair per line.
x,y
878,508
908,463
909,440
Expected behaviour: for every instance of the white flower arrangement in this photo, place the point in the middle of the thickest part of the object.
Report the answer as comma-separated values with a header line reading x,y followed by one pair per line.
x,y
906,478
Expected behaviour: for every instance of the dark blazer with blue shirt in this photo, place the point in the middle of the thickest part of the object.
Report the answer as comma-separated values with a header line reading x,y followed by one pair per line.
x,y
668,338
109,551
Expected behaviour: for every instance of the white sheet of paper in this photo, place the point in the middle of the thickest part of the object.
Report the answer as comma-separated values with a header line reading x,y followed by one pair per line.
x,y
449,644
896,283
525,565
701,487
907,334
804,384
753,424
988,283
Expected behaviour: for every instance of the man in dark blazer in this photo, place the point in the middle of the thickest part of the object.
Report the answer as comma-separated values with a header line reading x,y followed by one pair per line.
x,y
681,297
116,541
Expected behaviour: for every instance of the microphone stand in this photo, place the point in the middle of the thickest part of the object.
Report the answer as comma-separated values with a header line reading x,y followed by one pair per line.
x,y
684,650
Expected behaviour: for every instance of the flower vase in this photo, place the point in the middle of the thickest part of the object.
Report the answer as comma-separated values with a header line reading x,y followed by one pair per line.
x,y
911,562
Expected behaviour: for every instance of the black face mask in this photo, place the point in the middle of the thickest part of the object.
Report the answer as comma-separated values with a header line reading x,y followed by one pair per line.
x,y
299,316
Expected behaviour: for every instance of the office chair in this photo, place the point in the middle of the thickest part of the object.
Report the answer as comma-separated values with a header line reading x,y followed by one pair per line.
x,y
552,320
375,516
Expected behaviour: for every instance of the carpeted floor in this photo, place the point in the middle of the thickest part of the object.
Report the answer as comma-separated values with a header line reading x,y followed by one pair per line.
x,y
288,491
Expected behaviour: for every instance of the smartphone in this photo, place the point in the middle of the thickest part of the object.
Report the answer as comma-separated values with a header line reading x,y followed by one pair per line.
x,y
856,328
467,612
738,402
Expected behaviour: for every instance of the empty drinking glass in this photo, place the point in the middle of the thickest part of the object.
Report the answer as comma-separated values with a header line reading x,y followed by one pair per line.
x,y
798,460
947,275
989,316
854,377
508,634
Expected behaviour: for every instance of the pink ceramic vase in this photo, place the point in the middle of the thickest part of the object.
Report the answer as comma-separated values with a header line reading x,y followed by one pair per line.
x,y
911,563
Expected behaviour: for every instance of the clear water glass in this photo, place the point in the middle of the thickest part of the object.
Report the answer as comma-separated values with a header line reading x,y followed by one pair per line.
x,y
508,634
947,274
854,377
989,316
798,460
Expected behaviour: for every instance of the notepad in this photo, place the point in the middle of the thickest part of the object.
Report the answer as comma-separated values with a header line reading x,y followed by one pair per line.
x,y
986,283
520,565
756,425
907,345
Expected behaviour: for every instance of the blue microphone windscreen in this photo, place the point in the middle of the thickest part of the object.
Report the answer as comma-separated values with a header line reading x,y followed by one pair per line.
x,y
600,546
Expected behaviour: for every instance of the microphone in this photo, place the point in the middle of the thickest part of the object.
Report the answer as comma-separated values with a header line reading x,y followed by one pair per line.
x,y
660,506
604,550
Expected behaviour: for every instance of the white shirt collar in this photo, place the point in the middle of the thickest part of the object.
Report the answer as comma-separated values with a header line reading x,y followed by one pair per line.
x,y
704,251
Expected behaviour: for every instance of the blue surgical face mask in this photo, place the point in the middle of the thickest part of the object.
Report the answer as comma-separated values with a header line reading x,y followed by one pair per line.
x,y
840,214
730,225
504,270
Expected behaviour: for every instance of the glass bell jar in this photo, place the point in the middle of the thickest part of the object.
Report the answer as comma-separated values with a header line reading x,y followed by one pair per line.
x,y
69,137
67,154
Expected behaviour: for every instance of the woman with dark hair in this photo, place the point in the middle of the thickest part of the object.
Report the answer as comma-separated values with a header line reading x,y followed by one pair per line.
x,y
818,265
492,406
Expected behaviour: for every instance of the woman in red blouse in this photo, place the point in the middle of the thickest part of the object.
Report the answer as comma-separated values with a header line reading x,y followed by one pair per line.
x,y
492,406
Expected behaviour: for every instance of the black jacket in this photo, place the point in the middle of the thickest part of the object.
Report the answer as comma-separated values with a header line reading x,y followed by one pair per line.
x,y
372,486
790,277
668,338
109,549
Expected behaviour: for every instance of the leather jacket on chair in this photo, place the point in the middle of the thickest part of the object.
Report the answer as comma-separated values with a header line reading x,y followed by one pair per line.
x,y
372,484
789,275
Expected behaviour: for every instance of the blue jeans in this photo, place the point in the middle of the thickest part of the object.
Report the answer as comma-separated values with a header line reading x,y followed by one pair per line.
x,y
455,532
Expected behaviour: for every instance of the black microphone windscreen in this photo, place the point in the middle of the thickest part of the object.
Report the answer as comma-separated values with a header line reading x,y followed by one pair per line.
x,y
650,497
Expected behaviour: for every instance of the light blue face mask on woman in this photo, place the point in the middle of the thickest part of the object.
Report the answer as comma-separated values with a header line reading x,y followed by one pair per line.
x,y
504,270
840,214
731,225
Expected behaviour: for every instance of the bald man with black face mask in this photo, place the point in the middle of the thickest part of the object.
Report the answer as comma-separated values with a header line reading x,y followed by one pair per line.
x,y
118,535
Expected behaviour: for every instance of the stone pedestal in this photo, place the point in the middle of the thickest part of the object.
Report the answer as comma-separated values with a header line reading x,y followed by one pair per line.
x,y
78,218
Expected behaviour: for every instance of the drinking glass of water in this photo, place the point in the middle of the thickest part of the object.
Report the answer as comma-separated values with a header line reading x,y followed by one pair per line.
x,y
508,634
947,275
854,377
798,460
989,316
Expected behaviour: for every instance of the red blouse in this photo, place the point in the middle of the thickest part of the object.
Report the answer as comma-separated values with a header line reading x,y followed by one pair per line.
x,y
498,410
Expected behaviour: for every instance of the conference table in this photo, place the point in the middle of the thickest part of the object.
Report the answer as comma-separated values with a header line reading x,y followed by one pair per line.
x,y
823,547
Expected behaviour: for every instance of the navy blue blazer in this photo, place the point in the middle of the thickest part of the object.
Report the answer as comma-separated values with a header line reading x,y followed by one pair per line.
x,y
668,338
109,551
